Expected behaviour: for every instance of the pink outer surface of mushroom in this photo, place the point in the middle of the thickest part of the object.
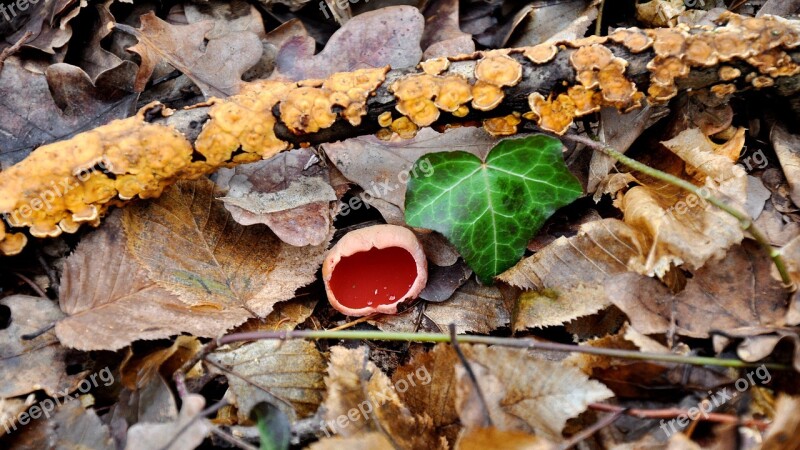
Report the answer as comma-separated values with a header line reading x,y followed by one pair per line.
x,y
374,269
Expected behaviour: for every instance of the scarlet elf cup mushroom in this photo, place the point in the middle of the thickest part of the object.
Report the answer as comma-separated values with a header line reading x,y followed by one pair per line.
x,y
374,270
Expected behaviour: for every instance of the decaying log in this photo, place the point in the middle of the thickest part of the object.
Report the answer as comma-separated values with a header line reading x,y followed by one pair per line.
x,y
62,185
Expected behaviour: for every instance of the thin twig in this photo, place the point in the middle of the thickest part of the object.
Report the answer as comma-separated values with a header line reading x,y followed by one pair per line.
x,y
32,285
671,413
597,426
14,48
490,340
487,419
745,222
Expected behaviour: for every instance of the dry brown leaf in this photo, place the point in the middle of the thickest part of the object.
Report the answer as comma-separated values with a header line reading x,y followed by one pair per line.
x,y
286,316
189,431
483,438
286,374
388,36
784,434
137,370
736,291
544,394
71,427
472,308
287,193
39,363
48,22
153,402
362,399
190,246
682,228
566,277
437,397
11,408
555,22
367,441
443,281
382,167
478,410
660,13
215,67
39,108
442,36
787,147
110,302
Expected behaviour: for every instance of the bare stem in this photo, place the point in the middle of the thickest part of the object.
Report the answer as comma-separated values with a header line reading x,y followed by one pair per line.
x,y
491,340
745,222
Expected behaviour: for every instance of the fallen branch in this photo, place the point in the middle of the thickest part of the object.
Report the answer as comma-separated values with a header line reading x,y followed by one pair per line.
x,y
65,184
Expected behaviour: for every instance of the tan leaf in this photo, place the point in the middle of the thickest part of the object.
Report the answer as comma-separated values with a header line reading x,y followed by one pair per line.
x,y
435,398
472,410
388,36
39,363
137,370
105,290
544,394
442,36
784,434
368,441
215,67
286,316
287,374
787,147
71,427
187,433
483,438
735,291
11,408
189,245
680,227
361,399
472,308
566,277
285,192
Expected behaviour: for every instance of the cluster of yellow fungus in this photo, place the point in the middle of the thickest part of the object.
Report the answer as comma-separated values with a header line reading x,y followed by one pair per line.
x,y
601,82
759,41
62,185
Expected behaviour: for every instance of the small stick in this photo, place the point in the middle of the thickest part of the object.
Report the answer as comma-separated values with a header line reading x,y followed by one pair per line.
x,y
487,419
14,48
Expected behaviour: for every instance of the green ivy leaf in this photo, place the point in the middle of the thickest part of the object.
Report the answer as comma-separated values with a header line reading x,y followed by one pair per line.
x,y
490,210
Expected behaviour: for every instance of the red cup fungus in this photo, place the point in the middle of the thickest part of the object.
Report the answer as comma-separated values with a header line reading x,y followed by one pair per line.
x,y
374,269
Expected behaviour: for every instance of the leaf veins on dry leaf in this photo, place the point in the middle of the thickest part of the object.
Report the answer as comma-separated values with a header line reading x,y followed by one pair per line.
x,y
286,374
183,265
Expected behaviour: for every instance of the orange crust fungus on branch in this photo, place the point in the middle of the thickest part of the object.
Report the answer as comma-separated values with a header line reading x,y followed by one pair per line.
x,y
61,185
561,81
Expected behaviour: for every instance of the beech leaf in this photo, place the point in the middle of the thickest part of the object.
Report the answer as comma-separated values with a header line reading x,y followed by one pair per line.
x,y
490,209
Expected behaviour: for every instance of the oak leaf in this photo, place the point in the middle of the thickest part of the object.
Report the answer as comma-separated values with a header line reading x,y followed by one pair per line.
x,y
215,67
388,36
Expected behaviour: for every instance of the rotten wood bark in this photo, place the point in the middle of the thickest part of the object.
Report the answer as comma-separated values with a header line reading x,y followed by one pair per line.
x,y
62,185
